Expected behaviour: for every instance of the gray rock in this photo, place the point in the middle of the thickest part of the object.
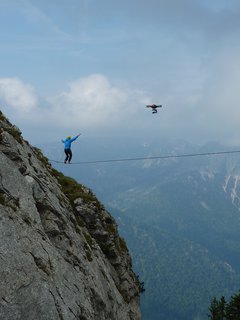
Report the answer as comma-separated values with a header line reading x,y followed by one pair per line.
x,y
60,253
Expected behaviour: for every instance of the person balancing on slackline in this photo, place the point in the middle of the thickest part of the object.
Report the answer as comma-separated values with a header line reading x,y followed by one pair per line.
x,y
67,147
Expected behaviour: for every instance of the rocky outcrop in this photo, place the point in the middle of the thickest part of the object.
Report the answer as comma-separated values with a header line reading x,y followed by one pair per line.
x,y
60,253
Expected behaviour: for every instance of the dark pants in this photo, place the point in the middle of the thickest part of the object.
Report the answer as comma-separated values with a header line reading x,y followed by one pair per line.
x,y
68,153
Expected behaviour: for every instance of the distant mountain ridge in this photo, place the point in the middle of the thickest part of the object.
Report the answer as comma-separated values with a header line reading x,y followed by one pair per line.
x,y
180,218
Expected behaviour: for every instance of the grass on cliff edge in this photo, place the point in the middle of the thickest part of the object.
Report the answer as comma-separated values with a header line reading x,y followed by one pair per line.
x,y
13,130
73,190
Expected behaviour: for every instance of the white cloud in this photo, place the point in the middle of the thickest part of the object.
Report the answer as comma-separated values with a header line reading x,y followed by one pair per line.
x,y
89,104
17,95
93,105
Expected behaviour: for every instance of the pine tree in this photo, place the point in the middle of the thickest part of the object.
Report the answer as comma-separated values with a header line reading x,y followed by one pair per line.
x,y
213,309
221,310
233,308
217,309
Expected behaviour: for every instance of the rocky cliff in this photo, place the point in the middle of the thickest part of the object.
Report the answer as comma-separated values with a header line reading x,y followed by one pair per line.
x,y
60,253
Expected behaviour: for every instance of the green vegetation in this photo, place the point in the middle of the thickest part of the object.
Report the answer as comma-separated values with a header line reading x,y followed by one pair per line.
x,y
6,202
13,130
110,228
1,137
89,255
73,190
107,249
140,284
89,239
222,310
41,157
2,117
89,244
79,220
2,199
122,245
171,266
15,133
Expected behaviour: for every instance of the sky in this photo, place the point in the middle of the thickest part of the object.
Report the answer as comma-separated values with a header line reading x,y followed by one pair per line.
x,y
90,67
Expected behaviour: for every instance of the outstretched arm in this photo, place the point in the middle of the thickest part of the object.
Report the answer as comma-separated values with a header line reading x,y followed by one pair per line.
x,y
73,139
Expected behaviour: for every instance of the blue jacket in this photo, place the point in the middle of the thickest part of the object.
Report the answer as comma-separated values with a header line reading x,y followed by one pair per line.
x,y
67,142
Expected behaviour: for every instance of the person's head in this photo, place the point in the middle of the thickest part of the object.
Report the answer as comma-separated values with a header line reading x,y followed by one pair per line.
x,y
68,138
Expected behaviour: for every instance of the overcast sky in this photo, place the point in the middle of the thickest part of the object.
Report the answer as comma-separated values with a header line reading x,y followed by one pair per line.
x,y
91,66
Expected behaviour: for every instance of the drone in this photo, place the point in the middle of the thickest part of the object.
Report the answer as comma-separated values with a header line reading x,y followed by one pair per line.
x,y
154,107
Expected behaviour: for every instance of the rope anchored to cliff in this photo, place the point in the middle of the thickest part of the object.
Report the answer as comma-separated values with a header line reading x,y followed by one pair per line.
x,y
187,155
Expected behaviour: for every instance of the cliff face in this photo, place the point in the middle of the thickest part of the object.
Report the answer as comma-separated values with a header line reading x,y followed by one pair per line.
x,y
60,253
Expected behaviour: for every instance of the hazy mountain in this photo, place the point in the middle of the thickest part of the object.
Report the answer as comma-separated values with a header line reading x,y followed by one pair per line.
x,y
180,217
